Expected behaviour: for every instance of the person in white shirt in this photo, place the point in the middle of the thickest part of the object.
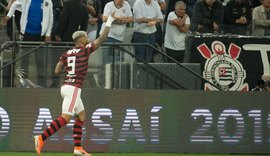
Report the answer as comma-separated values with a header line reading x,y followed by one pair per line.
x,y
131,3
123,15
178,23
9,23
147,14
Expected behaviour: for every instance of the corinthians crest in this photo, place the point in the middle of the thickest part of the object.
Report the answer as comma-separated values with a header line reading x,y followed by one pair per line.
x,y
222,69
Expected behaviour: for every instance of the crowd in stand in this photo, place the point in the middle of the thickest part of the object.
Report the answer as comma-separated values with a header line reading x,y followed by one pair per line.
x,y
160,23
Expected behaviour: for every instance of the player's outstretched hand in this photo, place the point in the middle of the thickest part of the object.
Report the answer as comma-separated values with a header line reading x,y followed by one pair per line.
x,y
110,19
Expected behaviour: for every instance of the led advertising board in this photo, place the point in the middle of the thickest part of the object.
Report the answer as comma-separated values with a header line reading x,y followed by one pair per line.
x,y
141,121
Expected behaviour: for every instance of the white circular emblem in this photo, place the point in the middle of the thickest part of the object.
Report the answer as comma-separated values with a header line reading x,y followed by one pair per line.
x,y
222,70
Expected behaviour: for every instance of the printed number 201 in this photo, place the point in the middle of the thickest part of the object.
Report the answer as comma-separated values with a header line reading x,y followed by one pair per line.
x,y
199,136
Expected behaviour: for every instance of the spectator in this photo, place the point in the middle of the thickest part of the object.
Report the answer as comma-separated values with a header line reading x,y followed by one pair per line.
x,y
178,23
237,17
103,4
100,20
36,25
170,7
74,17
207,16
94,14
56,52
189,6
162,4
224,2
57,10
261,19
266,79
123,15
255,3
259,86
147,14
131,3
159,32
9,24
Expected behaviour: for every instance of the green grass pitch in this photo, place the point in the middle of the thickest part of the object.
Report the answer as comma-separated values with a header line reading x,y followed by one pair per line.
x,y
116,154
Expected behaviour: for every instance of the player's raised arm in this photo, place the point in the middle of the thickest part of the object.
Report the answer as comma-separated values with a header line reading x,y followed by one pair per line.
x,y
105,32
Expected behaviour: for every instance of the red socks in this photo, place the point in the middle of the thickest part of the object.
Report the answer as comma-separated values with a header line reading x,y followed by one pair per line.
x,y
54,127
60,122
77,132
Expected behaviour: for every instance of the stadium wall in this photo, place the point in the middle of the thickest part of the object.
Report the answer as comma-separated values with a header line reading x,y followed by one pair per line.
x,y
141,121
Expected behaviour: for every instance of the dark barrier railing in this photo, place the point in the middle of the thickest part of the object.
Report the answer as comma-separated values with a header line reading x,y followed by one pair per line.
x,y
168,57
36,45
176,84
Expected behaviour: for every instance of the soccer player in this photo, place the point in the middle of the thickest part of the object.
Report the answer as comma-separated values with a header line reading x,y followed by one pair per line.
x,y
74,64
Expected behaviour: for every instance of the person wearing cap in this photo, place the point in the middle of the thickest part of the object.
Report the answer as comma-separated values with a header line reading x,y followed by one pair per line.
x,y
74,63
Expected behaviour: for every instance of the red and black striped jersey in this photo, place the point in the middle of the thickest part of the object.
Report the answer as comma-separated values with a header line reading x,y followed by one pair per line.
x,y
76,64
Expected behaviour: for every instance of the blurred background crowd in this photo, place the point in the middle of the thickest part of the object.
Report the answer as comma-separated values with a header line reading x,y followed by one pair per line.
x,y
161,23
